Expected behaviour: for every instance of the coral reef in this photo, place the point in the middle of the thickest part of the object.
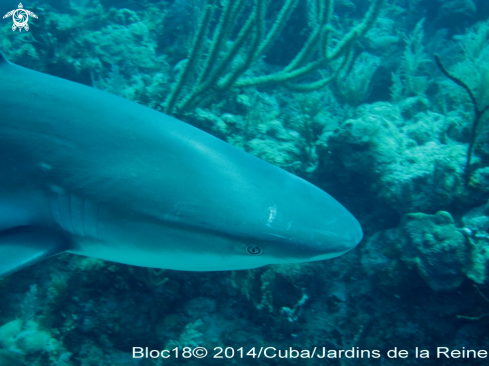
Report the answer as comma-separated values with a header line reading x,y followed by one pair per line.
x,y
434,246
346,94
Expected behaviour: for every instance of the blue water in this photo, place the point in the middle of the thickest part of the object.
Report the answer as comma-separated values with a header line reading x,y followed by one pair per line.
x,y
399,140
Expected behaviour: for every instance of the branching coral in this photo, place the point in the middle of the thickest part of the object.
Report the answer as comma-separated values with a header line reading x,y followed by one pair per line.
x,y
478,113
225,61
407,81
472,74
478,317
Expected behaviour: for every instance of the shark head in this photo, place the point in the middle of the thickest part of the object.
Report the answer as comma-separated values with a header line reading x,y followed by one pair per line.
x,y
244,215
322,232
90,173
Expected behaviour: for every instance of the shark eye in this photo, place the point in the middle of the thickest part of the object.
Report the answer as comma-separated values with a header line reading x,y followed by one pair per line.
x,y
254,249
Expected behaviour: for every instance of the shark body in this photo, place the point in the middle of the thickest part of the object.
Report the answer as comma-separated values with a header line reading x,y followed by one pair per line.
x,y
87,172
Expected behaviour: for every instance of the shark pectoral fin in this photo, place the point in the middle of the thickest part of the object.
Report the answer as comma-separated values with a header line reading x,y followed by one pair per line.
x,y
23,246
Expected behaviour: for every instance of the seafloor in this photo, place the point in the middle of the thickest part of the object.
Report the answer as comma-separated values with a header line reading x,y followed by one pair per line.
x,y
379,125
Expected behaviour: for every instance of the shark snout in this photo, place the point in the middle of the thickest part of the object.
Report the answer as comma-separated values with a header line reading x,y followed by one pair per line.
x,y
331,240
341,236
323,229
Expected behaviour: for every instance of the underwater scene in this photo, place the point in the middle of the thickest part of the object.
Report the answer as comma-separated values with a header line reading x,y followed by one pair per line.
x,y
244,182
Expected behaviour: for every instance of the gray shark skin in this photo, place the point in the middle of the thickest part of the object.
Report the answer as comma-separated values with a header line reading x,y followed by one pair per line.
x,y
90,173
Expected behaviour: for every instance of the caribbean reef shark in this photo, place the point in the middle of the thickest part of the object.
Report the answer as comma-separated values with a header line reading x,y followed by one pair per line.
x,y
86,172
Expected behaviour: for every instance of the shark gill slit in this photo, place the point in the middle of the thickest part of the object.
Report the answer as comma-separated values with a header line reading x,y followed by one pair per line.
x,y
74,214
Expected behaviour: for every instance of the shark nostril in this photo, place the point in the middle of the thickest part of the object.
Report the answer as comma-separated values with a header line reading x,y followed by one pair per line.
x,y
254,249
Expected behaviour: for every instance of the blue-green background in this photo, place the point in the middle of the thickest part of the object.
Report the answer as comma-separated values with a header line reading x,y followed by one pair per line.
x,y
387,137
